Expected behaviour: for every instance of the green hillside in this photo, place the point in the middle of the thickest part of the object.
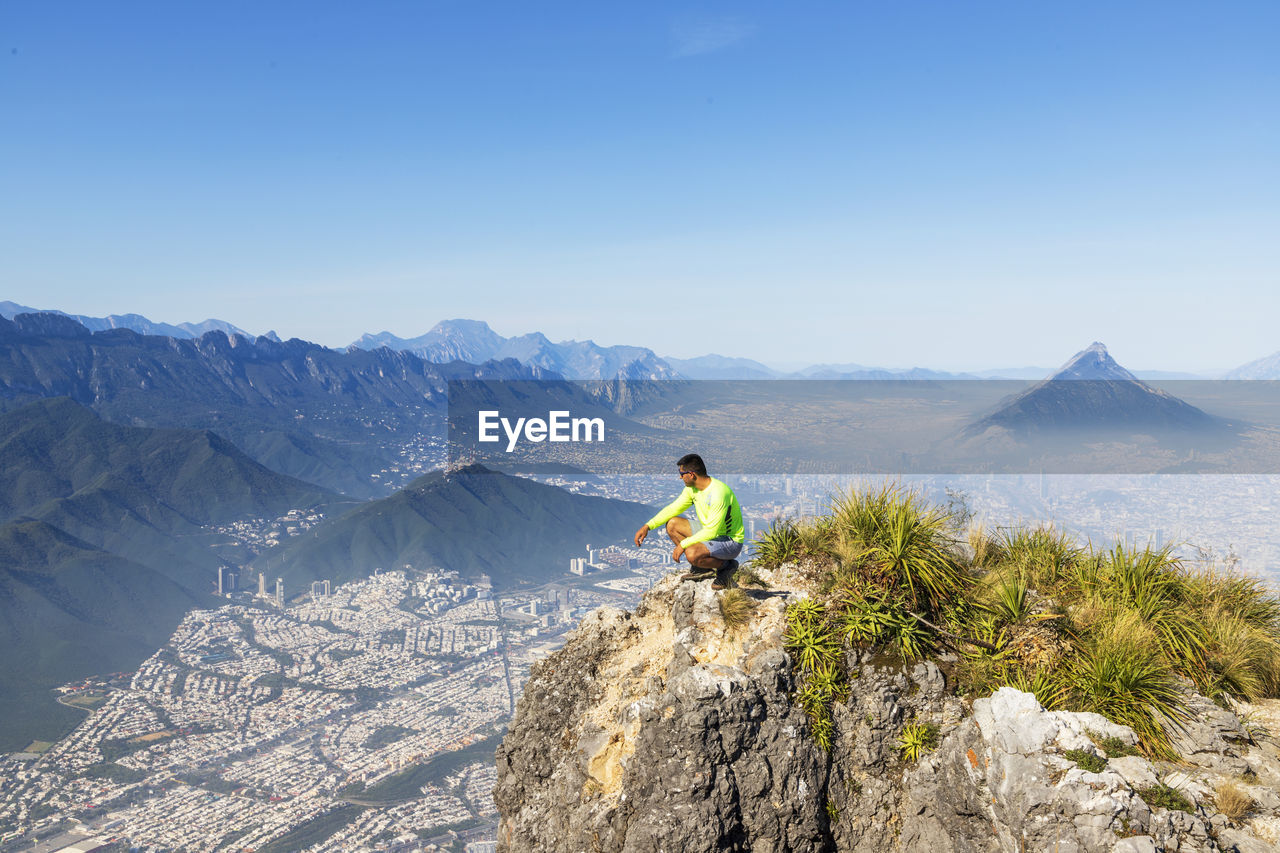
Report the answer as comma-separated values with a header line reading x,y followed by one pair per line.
x,y
143,494
473,520
69,610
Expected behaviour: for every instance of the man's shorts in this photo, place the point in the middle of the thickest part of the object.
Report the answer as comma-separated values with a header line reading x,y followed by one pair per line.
x,y
723,548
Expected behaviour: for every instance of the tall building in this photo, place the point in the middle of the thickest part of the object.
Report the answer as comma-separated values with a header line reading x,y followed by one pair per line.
x,y
228,580
262,585
280,592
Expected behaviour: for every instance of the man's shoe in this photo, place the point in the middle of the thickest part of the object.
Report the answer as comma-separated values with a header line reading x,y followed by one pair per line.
x,y
724,577
698,574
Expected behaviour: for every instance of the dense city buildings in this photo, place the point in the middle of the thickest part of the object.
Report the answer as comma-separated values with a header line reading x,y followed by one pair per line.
x,y
365,716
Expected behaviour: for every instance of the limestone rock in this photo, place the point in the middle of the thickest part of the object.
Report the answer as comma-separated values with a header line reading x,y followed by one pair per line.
x,y
662,730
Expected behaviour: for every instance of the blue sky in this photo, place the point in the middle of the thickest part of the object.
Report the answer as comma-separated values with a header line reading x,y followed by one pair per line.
x,y
956,185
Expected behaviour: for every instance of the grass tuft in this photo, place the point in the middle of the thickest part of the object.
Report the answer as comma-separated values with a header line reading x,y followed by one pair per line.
x,y
736,608
746,576
1232,801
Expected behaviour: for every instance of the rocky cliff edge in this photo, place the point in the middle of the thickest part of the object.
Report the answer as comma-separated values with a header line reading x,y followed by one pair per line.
x,y
664,730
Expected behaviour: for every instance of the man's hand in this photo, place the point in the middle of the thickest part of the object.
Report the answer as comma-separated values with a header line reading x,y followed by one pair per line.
x,y
677,554
641,534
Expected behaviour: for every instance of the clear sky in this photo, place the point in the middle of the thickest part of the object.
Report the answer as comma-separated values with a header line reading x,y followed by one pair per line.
x,y
955,185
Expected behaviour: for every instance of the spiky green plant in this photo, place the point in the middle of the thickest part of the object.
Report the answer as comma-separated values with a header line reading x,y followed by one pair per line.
x,y
913,641
1047,686
777,545
865,622
1245,597
815,537
906,543
916,739
1007,597
1242,660
811,647
806,611
823,730
830,682
1043,556
1123,676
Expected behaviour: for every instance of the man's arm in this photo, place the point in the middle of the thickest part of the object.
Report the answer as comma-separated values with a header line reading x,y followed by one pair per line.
x,y
682,502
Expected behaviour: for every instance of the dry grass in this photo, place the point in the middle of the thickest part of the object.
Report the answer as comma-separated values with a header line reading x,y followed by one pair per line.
x,y
736,608
1231,801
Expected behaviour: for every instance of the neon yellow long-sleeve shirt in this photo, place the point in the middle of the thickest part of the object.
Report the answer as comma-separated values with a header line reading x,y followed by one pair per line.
x,y
718,511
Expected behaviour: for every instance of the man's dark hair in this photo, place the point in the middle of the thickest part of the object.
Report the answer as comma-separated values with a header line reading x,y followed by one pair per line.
x,y
693,462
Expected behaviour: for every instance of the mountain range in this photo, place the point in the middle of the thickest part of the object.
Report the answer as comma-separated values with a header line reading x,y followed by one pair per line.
x,y
133,322
328,417
473,341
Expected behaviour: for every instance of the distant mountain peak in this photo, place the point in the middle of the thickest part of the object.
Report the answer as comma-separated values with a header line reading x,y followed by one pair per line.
x,y
462,324
1093,391
475,342
1093,362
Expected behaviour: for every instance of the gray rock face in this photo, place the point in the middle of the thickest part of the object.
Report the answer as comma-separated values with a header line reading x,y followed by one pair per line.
x,y
662,730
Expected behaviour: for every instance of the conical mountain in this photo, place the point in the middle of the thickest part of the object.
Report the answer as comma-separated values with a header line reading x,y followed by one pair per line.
x,y
1094,392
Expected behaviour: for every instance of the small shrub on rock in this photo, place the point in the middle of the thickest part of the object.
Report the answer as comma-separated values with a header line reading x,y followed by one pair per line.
x,y
1113,747
1087,760
1162,796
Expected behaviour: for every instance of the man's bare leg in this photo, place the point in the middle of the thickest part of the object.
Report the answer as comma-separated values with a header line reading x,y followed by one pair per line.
x,y
697,554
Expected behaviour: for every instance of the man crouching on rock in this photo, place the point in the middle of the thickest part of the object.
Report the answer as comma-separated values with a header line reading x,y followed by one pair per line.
x,y
713,549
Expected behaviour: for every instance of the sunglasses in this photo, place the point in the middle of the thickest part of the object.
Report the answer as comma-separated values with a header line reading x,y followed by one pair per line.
x,y
682,473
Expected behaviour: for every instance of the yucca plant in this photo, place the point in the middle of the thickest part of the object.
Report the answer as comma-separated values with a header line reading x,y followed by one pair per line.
x,y
1123,676
830,682
812,642
916,739
777,545
821,687
812,648
904,543
866,623
1007,597
1043,556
